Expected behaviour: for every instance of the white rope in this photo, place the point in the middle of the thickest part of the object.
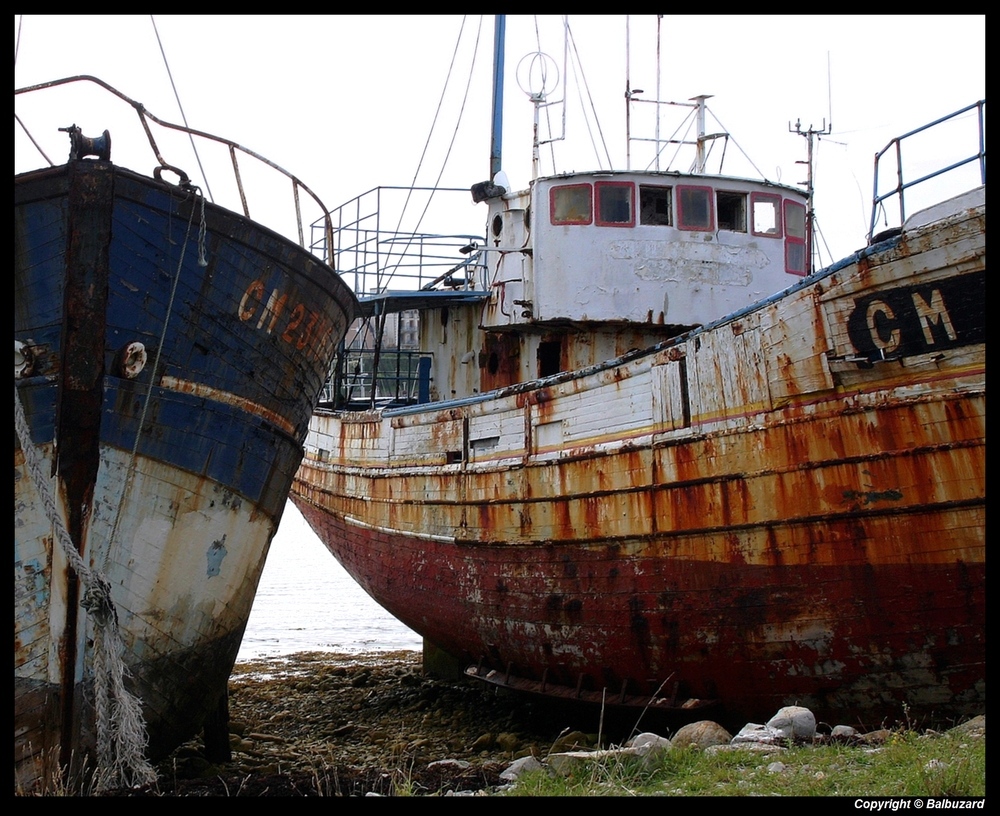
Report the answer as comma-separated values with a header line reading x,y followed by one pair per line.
x,y
121,732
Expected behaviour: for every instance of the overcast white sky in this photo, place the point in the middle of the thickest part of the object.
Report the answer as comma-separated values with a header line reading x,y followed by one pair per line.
x,y
346,102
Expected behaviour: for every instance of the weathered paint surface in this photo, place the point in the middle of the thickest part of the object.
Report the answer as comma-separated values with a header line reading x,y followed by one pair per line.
x,y
244,355
786,506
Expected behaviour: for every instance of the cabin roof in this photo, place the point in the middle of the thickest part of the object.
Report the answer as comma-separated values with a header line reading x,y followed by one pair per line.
x,y
402,300
676,177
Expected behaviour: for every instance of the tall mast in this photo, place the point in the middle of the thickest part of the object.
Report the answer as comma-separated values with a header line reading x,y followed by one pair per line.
x,y
700,112
496,140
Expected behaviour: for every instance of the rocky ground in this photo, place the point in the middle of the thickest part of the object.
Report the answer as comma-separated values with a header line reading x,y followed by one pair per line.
x,y
330,724
324,724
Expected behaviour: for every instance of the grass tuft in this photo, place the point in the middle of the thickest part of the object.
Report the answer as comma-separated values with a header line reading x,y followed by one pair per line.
x,y
907,764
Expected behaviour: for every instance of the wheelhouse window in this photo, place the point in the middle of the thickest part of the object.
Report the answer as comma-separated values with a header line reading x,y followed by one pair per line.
x,y
795,239
571,204
694,208
615,206
766,215
655,206
732,211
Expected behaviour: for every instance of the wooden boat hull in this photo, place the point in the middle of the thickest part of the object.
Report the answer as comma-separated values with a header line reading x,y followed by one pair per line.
x,y
786,506
173,500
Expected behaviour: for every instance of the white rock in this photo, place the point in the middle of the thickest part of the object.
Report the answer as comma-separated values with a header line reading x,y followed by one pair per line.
x,y
756,733
520,766
565,762
794,722
455,764
648,742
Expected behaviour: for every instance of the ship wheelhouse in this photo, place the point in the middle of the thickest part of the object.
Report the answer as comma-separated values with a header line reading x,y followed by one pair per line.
x,y
655,249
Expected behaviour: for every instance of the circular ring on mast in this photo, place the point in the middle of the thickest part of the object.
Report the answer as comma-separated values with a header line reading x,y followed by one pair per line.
x,y
542,72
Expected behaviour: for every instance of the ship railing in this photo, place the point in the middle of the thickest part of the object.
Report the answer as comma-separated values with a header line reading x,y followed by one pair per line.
x,y
365,380
397,272
369,247
263,192
949,159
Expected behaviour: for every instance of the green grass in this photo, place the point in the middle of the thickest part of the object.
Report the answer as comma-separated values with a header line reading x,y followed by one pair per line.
x,y
907,764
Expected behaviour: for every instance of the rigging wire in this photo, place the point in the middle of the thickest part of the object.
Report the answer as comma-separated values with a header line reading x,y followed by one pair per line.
x,y
430,134
159,42
38,147
24,127
369,329
17,41
586,87
548,114
738,146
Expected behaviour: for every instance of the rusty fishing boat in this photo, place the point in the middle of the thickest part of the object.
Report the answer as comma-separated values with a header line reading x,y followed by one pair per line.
x,y
629,447
168,353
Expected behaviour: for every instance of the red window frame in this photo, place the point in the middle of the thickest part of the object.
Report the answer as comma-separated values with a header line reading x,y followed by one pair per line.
x,y
778,215
679,222
602,185
793,241
552,204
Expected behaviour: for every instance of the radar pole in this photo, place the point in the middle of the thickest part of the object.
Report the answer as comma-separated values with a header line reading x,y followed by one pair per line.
x,y
809,135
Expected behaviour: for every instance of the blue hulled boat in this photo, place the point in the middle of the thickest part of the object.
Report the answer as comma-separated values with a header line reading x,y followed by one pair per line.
x,y
168,354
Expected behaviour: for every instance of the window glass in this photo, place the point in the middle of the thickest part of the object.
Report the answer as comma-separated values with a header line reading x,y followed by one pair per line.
x,y
795,220
694,206
570,204
796,261
614,203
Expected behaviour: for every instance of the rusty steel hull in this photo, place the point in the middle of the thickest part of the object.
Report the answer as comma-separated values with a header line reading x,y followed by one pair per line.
x,y
785,506
172,498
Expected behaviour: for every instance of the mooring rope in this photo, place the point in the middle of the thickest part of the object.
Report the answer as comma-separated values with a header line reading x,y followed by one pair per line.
x,y
121,731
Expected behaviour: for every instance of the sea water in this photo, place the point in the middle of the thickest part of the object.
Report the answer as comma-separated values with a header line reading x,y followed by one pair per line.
x,y
306,601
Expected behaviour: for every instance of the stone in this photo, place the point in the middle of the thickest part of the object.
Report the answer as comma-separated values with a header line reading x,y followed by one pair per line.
x,y
794,723
702,734
449,765
976,727
483,743
571,740
756,733
507,742
520,766
647,743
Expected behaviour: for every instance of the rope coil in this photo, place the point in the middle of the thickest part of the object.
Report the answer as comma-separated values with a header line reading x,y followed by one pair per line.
x,y
121,731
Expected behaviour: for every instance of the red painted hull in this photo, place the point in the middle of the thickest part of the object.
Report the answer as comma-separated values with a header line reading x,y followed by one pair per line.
x,y
723,633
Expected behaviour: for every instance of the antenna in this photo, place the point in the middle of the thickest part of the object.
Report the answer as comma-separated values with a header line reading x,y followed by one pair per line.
x,y
809,135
